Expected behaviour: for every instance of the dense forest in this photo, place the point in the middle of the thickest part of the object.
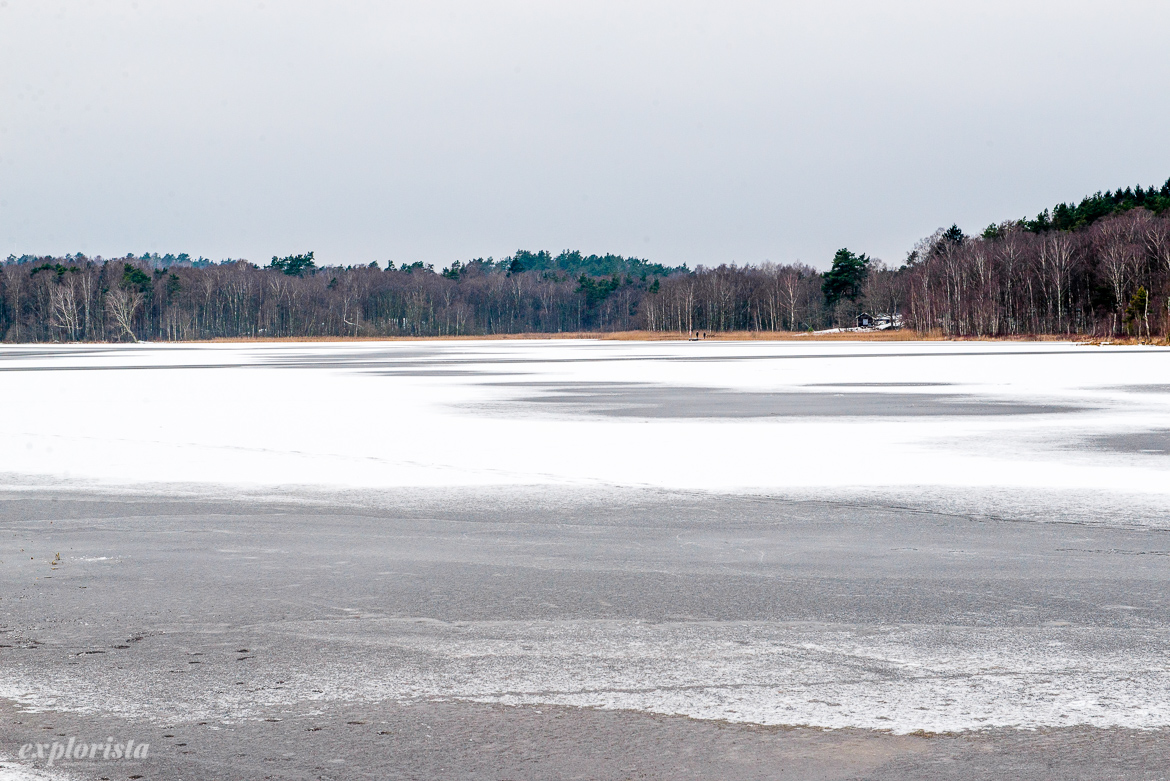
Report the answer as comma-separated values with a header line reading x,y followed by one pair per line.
x,y
1099,267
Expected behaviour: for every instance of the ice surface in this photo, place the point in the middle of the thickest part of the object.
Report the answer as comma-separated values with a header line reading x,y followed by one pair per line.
x,y
13,770
1008,432
897,678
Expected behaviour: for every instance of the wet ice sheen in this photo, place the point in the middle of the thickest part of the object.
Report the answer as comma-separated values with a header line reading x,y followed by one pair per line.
x,y
631,400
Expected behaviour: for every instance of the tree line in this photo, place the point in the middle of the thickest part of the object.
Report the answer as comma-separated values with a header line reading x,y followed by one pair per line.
x,y
1101,267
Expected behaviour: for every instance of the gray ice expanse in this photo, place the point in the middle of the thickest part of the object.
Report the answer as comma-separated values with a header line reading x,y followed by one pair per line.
x,y
196,616
598,630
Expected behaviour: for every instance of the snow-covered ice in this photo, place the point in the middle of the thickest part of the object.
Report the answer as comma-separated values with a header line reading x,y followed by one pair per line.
x,y
463,413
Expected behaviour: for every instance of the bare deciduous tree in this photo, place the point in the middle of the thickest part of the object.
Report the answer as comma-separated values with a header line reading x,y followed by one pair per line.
x,y
123,305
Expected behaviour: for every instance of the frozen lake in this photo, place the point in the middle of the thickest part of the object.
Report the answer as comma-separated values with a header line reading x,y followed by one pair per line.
x,y
549,551
701,416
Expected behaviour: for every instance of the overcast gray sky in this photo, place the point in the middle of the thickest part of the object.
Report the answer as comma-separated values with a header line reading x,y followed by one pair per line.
x,y
696,132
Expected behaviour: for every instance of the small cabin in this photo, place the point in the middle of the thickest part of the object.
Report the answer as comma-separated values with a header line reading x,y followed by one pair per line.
x,y
864,320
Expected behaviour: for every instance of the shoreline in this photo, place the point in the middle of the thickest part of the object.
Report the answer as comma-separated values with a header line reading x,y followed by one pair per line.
x,y
666,336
